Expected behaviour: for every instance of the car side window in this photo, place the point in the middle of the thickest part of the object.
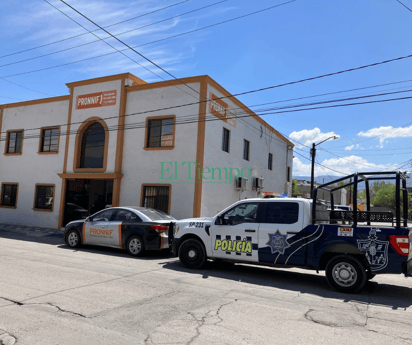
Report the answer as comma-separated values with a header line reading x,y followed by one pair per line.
x,y
104,216
281,213
243,213
125,216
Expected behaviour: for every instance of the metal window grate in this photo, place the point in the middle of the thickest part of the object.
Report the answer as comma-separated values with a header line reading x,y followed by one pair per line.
x,y
9,195
44,197
156,197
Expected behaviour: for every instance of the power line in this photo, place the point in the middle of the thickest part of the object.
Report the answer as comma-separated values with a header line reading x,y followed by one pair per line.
x,y
261,112
152,42
86,33
101,39
214,118
404,6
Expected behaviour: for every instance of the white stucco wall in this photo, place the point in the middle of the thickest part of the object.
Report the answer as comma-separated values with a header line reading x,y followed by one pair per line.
x,y
215,196
31,168
141,166
81,115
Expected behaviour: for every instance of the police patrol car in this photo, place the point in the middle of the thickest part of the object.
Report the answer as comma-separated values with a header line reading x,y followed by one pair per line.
x,y
134,228
293,232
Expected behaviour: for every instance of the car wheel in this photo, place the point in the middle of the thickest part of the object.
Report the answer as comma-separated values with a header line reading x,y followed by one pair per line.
x,y
192,254
346,274
73,238
135,246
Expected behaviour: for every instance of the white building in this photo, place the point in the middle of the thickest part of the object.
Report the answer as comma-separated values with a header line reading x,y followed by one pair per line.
x,y
118,140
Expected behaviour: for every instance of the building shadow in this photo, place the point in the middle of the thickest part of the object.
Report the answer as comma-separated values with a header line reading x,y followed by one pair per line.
x,y
311,283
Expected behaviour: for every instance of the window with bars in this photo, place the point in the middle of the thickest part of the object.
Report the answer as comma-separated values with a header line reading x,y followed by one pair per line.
x,y
14,142
225,140
43,199
9,195
156,197
270,161
160,133
50,139
246,147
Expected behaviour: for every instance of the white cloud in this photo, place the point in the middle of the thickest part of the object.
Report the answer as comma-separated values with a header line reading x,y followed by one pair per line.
x,y
387,132
309,136
342,166
351,147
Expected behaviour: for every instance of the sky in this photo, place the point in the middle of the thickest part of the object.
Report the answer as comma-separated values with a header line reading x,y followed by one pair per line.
x,y
291,42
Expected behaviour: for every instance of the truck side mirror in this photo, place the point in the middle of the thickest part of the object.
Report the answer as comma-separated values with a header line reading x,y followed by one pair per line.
x,y
219,220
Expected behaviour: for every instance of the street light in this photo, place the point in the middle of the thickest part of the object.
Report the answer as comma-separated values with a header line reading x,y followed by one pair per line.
x,y
313,153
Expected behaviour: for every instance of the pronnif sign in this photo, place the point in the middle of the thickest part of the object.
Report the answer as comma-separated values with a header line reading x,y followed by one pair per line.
x,y
95,100
222,110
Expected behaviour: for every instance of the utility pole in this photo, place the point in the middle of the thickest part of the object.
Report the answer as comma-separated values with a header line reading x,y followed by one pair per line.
x,y
312,178
313,153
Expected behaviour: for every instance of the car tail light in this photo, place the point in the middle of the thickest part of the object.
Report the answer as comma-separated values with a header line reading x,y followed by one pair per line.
x,y
400,244
160,228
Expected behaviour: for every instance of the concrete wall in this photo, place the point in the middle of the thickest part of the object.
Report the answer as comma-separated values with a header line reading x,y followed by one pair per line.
x,y
30,167
81,115
143,166
217,196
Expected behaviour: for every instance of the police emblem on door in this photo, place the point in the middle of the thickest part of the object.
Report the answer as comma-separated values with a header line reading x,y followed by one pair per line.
x,y
375,251
278,243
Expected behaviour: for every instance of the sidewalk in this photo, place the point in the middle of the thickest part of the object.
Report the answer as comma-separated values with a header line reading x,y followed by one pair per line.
x,y
30,231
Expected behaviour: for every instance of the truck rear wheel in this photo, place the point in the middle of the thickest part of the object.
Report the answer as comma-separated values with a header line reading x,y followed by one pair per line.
x,y
346,274
192,254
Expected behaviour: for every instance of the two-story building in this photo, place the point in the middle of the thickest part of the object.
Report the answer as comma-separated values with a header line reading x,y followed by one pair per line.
x,y
178,146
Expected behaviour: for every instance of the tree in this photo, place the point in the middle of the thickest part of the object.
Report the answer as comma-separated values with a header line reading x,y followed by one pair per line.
x,y
386,196
295,188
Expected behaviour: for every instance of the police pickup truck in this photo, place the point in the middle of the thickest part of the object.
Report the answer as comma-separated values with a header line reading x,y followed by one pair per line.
x,y
295,232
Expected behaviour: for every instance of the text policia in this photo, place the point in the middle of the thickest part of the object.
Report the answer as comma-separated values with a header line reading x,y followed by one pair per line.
x,y
242,246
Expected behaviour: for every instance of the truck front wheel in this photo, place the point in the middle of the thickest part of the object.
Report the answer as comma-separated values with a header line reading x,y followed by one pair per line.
x,y
192,254
346,274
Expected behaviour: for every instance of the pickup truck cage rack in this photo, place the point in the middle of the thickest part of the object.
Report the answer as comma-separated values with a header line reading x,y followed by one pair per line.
x,y
356,216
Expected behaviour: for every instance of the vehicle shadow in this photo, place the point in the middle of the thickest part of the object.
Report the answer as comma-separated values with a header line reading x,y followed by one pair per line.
x,y
148,255
304,282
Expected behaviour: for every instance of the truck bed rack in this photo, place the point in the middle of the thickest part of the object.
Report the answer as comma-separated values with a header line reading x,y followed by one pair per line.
x,y
400,216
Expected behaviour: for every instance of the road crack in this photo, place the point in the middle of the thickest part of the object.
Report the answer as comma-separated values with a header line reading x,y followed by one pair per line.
x,y
7,338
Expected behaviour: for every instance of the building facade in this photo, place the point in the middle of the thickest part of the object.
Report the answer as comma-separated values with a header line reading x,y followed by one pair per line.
x,y
118,141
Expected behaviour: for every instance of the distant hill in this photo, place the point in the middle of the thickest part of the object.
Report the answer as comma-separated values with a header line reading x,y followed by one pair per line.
x,y
325,179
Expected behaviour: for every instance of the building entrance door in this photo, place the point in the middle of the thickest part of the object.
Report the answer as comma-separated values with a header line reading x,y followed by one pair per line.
x,y
85,197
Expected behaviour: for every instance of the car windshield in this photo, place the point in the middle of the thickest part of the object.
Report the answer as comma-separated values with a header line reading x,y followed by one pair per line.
x,y
153,214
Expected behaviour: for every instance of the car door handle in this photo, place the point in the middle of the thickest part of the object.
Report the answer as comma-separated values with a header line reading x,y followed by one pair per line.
x,y
292,232
250,230
103,226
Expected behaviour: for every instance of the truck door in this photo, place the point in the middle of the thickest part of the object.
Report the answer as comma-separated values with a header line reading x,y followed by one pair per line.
x,y
236,238
281,233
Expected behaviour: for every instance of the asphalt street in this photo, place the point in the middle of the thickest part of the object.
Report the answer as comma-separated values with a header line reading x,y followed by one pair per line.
x,y
50,294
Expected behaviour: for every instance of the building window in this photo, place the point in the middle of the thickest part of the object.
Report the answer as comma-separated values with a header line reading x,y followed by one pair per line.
x,y
225,140
281,213
157,197
93,146
246,147
43,197
49,141
9,194
160,133
288,174
14,142
270,161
